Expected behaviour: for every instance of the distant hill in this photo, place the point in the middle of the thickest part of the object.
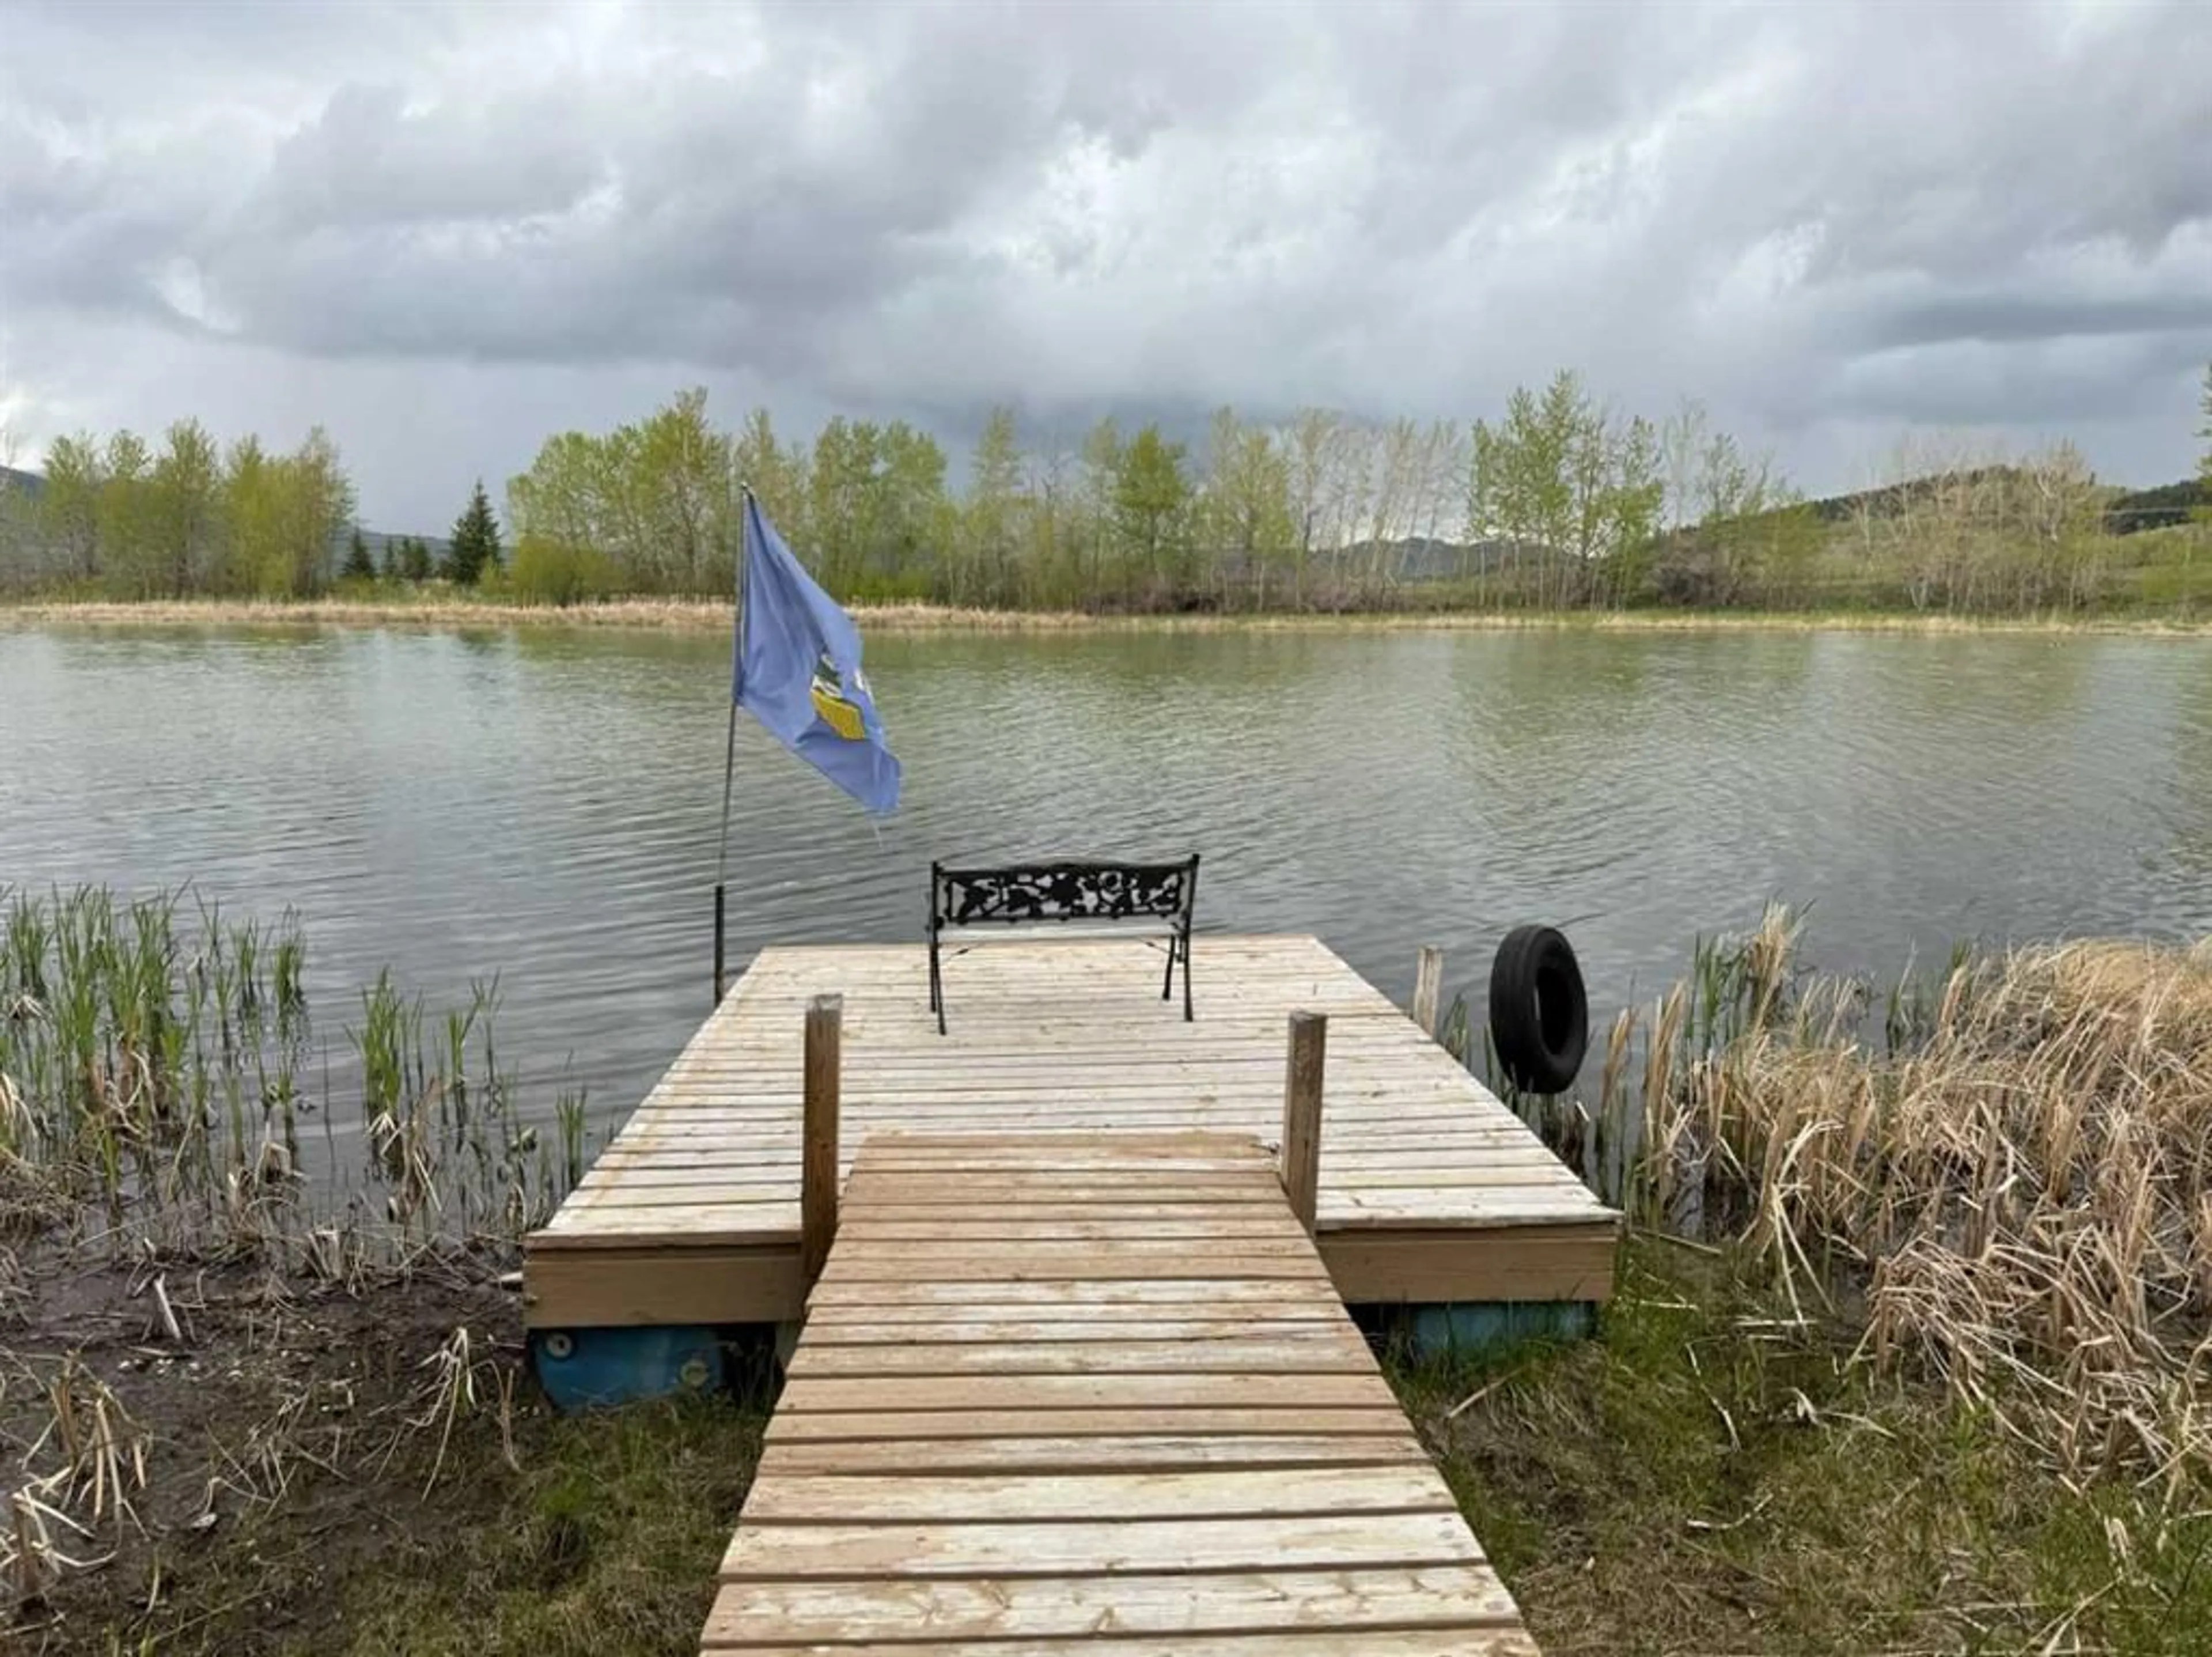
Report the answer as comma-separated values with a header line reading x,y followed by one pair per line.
x,y
2126,511
29,481
2155,508
378,541
1892,499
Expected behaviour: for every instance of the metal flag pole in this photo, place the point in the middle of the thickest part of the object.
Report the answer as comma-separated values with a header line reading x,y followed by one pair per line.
x,y
730,748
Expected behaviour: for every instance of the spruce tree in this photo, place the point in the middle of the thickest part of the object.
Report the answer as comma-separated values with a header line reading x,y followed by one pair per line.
x,y
475,546
358,565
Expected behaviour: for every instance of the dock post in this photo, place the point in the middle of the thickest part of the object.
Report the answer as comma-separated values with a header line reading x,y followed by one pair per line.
x,y
1301,1153
1428,988
718,979
817,1156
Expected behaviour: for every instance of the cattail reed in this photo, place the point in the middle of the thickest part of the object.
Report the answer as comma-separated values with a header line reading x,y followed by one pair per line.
x,y
154,1062
2014,1182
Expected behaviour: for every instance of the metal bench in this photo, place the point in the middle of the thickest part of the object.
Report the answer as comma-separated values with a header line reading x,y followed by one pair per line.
x,y
1151,901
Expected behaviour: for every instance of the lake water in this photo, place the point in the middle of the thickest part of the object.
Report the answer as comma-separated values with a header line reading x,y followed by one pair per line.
x,y
543,804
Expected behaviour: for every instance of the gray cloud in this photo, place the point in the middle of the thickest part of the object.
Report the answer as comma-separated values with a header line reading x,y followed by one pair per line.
x,y
2004,316
1826,222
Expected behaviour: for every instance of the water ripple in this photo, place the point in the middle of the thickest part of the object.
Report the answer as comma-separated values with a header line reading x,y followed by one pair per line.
x,y
544,806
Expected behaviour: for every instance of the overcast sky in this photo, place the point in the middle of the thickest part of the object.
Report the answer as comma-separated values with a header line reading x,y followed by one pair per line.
x,y
445,233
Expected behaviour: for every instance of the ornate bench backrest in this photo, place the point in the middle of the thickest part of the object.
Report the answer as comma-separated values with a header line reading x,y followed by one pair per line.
x,y
1067,890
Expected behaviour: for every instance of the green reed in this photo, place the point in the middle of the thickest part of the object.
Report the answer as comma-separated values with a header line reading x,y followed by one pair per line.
x,y
155,1061
568,1113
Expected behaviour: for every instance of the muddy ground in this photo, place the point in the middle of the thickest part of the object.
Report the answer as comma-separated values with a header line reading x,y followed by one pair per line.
x,y
210,1478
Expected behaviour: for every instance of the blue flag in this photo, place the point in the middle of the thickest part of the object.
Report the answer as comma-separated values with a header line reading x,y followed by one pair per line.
x,y
799,670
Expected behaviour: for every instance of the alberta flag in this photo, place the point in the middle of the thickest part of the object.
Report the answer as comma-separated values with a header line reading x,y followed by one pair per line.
x,y
799,670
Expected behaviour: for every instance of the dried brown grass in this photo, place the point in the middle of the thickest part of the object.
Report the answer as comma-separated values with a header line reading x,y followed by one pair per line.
x,y
445,609
89,1451
2019,1189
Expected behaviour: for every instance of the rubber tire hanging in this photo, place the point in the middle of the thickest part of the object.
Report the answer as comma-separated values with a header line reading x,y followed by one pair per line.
x,y
1538,1010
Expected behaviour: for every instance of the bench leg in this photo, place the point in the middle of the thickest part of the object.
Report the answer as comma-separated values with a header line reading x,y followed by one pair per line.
x,y
936,988
1168,989
1187,1018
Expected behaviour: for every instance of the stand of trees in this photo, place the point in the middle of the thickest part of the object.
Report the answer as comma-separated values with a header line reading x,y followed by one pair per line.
x,y
115,518
1561,501
129,520
408,558
1552,506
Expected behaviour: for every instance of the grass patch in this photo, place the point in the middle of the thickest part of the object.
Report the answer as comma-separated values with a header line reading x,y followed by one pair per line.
x,y
1711,1474
607,1541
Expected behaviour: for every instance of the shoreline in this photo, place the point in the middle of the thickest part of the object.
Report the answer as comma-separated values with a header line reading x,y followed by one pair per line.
x,y
695,615
264,1426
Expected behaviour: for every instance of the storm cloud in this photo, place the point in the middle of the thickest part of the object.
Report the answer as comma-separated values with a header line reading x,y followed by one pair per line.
x,y
446,233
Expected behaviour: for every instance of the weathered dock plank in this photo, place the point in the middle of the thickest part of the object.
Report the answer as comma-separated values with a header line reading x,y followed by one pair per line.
x,y
1161,1484
1430,1189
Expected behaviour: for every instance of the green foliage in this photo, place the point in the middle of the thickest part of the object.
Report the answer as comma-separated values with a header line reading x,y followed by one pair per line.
x,y
775,473
474,548
658,499
19,523
2205,461
124,515
70,504
1243,511
547,571
1574,493
877,512
187,511
1150,522
988,550
601,1542
116,516
414,559
359,566
285,513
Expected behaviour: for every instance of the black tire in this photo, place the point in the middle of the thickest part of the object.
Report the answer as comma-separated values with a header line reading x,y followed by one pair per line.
x,y
1538,1010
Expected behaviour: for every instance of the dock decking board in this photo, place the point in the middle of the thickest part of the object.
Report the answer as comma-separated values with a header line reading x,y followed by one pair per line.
x,y
1430,1190
1188,1489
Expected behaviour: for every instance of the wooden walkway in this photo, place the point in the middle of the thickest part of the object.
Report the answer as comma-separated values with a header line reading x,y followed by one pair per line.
x,y
1430,1190
1095,1395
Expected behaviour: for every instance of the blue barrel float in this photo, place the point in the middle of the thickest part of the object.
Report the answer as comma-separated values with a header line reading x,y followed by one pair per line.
x,y
598,1369
1465,1329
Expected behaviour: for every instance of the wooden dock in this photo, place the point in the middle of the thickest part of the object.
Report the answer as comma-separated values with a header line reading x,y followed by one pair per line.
x,y
1092,1394
1430,1191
